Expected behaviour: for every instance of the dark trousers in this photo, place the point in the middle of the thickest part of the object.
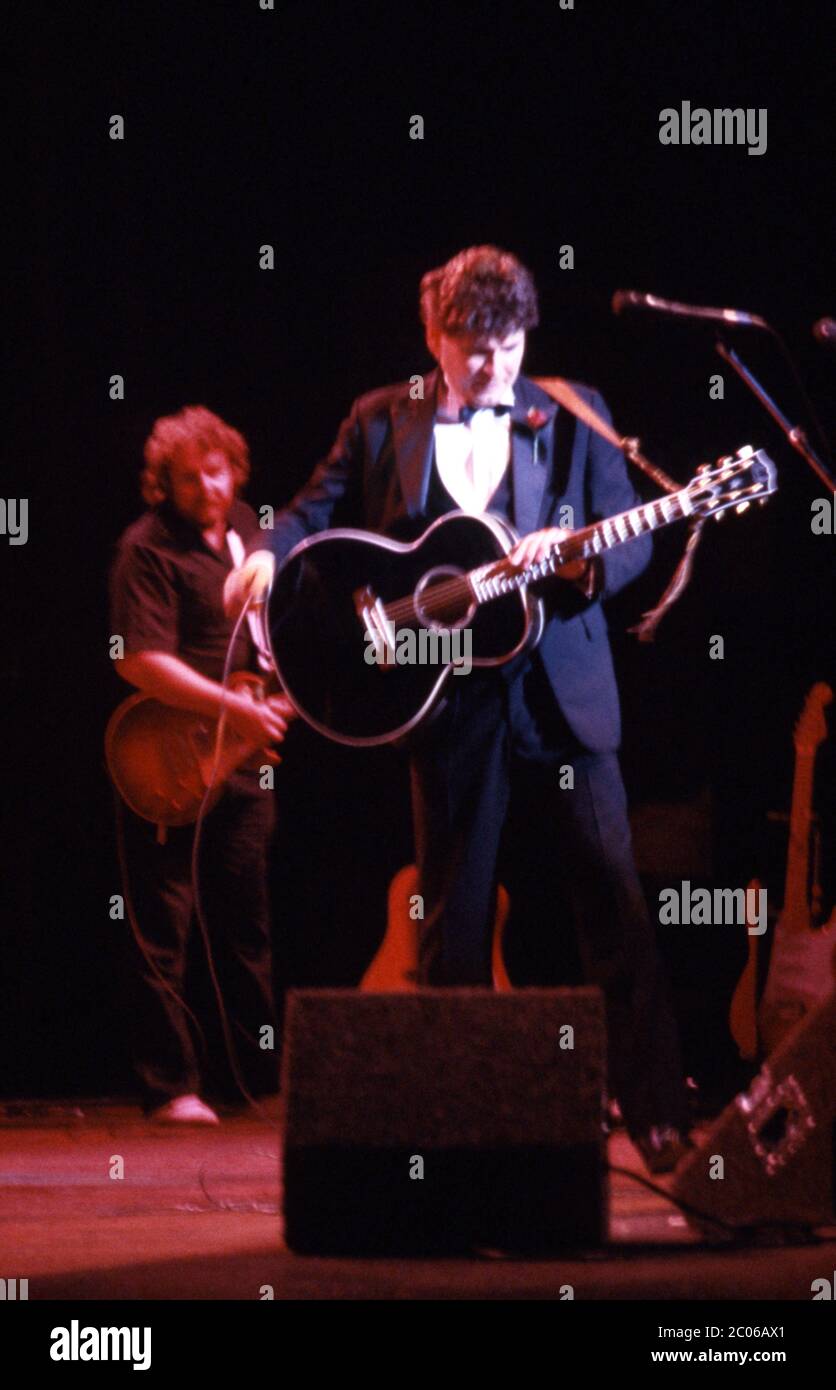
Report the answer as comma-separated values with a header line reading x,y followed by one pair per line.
x,y
233,896
499,726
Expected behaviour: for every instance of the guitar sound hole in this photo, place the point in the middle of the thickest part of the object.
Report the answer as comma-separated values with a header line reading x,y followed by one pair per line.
x,y
440,603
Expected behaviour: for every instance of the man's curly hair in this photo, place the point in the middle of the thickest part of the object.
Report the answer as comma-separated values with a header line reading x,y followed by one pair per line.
x,y
481,290
428,295
194,423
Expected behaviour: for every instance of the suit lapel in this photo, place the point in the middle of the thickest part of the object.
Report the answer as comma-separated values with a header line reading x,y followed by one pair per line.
x,y
529,474
413,443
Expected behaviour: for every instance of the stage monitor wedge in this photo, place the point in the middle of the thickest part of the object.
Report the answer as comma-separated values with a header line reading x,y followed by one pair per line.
x,y
768,1160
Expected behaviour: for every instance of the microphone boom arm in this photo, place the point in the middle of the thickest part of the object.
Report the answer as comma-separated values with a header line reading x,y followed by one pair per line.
x,y
794,433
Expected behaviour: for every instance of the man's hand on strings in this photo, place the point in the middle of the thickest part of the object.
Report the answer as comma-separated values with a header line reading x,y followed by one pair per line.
x,y
534,548
260,721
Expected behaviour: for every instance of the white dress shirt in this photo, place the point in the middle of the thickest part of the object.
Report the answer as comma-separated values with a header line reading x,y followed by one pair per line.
x,y
471,457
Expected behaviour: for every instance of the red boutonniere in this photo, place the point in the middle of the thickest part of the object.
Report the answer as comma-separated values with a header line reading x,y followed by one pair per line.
x,y
536,419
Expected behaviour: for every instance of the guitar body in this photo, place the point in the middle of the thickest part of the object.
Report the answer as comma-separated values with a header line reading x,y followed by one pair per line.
x,y
743,1010
802,962
342,602
802,972
801,966
320,641
160,758
394,969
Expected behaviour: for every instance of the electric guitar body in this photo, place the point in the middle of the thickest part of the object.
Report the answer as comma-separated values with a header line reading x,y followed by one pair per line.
x,y
743,1010
802,961
161,759
802,965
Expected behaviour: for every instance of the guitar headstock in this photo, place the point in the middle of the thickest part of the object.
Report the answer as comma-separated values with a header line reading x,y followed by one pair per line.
x,y
811,726
749,476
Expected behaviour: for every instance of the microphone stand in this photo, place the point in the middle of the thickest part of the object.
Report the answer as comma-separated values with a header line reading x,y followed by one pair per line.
x,y
794,433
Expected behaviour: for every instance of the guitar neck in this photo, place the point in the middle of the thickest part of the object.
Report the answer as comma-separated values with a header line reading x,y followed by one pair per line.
x,y
796,907
502,576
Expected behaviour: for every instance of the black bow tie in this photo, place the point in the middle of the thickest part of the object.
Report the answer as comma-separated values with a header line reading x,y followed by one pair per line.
x,y
468,411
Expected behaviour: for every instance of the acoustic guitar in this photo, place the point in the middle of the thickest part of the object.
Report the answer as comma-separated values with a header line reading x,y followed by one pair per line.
x,y
161,759
394,969
344,595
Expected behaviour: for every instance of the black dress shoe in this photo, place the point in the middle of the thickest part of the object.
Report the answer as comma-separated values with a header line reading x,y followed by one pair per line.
x,y
662,1147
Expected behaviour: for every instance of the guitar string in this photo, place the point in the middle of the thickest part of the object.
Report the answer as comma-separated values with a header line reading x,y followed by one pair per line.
x,y
575,546
459,588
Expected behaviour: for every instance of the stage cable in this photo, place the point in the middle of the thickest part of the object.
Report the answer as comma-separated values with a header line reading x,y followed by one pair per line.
x,y
201,815
195,878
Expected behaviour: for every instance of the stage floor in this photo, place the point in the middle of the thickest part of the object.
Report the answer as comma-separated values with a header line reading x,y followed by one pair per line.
x,y
196,1216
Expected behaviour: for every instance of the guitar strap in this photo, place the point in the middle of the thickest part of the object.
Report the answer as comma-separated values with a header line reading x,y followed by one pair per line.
x,y
566,396
255,617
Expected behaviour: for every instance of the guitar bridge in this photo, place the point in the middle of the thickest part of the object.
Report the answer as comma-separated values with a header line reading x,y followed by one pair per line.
x,y
379,628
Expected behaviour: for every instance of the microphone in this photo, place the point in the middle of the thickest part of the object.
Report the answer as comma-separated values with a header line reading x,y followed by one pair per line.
x,y
633,299
825,331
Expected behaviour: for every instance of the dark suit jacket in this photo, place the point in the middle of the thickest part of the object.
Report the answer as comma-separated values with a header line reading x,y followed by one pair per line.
x,y
377,477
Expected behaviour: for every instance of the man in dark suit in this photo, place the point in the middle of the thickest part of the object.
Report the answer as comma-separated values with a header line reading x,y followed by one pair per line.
x,y
475,435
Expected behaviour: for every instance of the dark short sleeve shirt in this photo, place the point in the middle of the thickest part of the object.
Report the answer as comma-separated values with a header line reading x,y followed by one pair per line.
x,y
166,591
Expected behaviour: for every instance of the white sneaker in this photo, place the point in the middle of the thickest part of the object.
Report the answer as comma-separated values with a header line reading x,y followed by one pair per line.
x,y
184,1110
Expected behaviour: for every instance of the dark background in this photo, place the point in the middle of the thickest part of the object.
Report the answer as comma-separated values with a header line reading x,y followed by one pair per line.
x,y
140,257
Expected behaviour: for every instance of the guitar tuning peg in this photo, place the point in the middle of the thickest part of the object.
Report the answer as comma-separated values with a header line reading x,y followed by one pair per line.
x,y
741,507
718,516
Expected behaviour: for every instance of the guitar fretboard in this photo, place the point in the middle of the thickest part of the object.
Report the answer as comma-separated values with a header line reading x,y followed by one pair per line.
x,y
796,884
501,576
733,483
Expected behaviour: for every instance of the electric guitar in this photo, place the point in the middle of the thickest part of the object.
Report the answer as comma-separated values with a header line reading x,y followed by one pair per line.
x,y
342,602
802,966
161,759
